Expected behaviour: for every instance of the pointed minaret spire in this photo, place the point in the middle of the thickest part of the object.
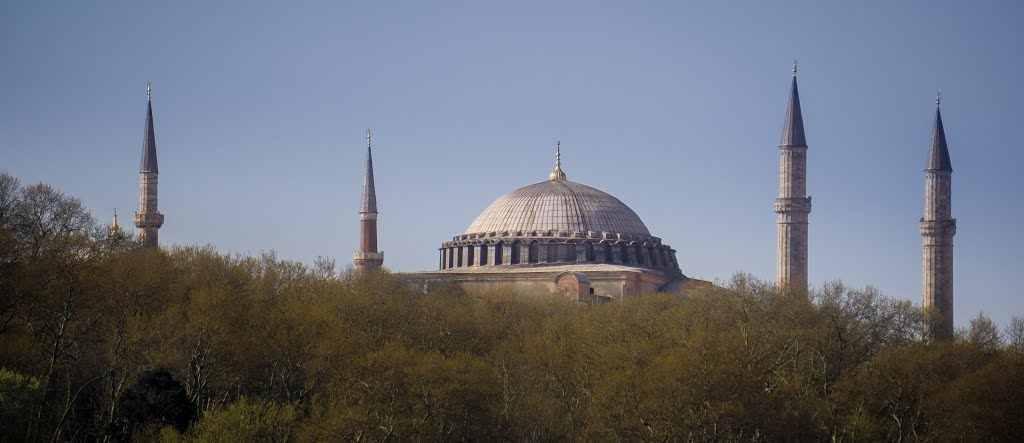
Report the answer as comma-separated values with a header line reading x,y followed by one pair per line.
x,y
557,174
368,258
938,155
793,204
148,219
369,192
793,130
149,136
937,230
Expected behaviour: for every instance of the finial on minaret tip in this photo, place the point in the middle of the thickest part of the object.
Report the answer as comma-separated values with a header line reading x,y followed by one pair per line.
x,y
369,138
794,67
149,91
938,98
557,174
113,225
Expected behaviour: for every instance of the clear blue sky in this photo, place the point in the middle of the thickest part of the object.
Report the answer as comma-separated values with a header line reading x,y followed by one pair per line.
x,y
674,107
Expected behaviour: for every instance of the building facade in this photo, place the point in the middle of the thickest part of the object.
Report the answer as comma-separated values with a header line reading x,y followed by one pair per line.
x,y
558,236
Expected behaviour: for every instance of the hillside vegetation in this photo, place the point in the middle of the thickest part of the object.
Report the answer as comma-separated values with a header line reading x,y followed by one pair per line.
x,y
102,340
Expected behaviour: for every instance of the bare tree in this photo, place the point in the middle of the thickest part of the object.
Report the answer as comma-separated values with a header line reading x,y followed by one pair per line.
x,y
983,333
1015,333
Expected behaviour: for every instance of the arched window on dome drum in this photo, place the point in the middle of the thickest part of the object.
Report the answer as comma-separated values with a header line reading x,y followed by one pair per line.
x,y
591,256
483,254
499,253
556,253
514,259
459,262
607,253
469,255
639,254
451,257
654,256
624,253
532,255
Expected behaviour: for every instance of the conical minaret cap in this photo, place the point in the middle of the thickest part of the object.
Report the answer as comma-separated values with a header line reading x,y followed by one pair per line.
x,y
938,155
793,131
369,205
149,137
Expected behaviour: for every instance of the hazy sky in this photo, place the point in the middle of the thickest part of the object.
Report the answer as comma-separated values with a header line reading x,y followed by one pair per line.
x,y
674,107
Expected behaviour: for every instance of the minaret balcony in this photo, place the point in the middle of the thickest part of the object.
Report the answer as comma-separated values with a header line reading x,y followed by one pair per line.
x,y
369,255
938,228
796,204
149,220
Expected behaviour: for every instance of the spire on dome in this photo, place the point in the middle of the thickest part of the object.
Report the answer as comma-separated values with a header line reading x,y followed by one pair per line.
x,y
369,205
557,174
149,137
114,228
938,155
793,130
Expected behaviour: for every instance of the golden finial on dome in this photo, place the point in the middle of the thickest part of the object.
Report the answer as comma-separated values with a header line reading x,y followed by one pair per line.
x,y
557,174
114,228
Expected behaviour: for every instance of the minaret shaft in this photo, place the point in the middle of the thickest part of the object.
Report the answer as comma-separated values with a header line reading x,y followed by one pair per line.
x,y
793,204
937,230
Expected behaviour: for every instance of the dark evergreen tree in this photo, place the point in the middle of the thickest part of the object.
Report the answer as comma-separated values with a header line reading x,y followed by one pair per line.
x,y
157,398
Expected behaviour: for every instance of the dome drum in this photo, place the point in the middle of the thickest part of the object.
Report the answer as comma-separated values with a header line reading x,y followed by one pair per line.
x,y
512,252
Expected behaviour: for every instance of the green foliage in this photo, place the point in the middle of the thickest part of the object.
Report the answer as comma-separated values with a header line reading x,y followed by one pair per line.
x,y
245,420
275,350
18,393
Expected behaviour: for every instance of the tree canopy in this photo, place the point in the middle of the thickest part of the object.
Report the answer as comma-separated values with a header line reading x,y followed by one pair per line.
x,y
102,339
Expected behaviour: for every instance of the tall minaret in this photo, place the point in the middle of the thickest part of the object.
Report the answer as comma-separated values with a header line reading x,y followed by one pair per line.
x,y
793,204
148,219
937,230
368,259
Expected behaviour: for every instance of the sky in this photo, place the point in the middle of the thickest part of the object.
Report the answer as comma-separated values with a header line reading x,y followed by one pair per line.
x,y
674,107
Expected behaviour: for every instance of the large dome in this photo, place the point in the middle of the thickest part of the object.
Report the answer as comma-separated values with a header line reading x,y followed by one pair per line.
x,y
559,205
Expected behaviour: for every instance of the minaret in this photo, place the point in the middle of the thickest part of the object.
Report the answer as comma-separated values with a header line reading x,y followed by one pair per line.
x,y
368,259
793,204
148,219
937,230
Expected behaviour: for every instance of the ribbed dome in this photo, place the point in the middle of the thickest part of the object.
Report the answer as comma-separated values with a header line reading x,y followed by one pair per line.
x,y
558,205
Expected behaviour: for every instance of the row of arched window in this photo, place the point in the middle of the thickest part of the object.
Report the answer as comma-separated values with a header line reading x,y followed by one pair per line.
x,y
488,254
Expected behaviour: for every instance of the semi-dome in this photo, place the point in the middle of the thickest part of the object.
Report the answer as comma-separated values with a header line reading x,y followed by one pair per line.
x,y
561,206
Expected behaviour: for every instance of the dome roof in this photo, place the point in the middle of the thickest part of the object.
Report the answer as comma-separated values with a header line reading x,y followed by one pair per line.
x,y
559,205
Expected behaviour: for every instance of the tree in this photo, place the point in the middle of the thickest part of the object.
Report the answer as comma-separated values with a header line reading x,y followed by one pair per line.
x,y
156,398
1015,334
18,393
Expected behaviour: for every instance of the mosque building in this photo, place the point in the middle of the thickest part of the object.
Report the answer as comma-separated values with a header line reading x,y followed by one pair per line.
x,y
561,237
